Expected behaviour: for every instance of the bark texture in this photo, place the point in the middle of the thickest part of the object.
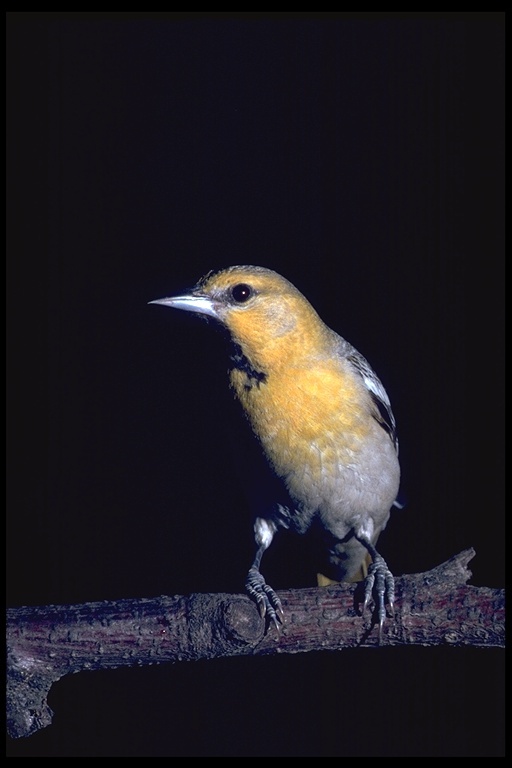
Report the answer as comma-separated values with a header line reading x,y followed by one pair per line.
x,y
45,643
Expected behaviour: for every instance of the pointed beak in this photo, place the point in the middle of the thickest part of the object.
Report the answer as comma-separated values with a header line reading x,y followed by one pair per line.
x,y
200,304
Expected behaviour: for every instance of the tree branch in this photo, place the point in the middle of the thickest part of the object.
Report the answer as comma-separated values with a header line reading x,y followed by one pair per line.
x,y
46,643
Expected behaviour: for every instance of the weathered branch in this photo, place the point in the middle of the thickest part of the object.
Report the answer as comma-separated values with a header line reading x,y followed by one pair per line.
x,y
46,643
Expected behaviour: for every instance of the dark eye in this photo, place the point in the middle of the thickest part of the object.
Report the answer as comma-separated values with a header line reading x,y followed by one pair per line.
x,y
241,292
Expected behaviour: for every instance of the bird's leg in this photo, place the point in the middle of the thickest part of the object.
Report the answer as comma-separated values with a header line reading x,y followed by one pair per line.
x,y
379,577
266,599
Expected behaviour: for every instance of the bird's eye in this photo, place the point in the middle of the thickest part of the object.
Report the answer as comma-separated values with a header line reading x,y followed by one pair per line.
x,y
241,293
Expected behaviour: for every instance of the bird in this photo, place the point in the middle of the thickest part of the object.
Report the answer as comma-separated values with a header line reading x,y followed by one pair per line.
x,y
323,424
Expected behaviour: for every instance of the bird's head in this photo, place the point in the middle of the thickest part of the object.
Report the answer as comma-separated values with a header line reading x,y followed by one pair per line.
x,y
264,313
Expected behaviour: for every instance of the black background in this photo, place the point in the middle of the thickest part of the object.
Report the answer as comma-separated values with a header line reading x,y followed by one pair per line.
x,y
362,157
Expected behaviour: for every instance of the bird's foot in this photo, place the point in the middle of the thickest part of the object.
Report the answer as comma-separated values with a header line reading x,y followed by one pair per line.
x,y
269,605
379,581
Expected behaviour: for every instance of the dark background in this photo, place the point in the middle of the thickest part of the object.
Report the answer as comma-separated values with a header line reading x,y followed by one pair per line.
x,y
362,157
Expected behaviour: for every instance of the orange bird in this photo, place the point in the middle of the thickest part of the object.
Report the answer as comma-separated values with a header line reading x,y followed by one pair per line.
x,y
323,421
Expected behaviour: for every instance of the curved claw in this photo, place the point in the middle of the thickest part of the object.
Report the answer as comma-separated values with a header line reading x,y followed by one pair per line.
x,y
269,605
380,577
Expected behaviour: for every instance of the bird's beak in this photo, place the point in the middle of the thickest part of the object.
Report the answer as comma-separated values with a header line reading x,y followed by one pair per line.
x,y
200,304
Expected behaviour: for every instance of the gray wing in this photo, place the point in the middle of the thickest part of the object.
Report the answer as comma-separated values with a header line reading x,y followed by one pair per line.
x,y
383,413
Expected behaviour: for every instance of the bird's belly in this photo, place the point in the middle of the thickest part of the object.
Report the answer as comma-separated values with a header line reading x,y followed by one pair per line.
x,y
335,460
344,489
338,478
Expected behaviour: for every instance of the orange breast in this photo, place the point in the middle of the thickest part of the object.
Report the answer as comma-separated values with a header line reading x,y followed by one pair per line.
x,y
312,417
